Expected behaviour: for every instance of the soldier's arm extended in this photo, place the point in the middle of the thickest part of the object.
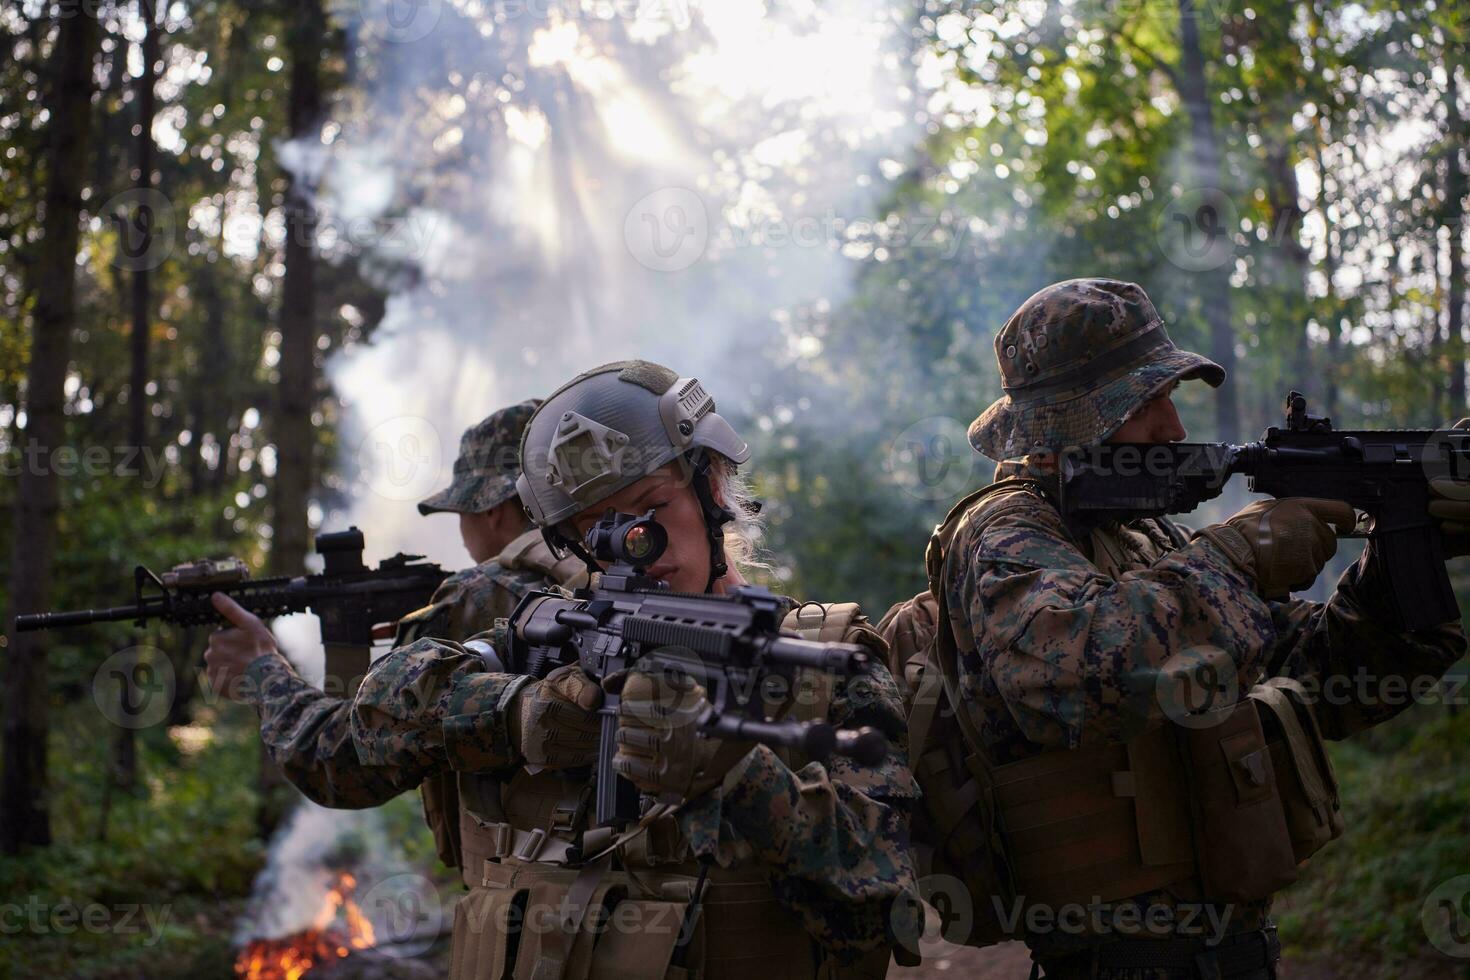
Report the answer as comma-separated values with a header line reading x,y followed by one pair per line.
x,y
1074,654
835,838
309,735
1361,669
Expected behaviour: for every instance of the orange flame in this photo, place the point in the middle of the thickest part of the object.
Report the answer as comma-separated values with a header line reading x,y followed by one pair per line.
x,y
291,957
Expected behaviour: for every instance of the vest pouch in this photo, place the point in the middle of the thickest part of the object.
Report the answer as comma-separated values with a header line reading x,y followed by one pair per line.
x,y
1304,777
440,794
482,933
637,940
1242,844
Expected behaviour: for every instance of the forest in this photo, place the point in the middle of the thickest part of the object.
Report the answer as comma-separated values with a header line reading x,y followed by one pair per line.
x,y
261,262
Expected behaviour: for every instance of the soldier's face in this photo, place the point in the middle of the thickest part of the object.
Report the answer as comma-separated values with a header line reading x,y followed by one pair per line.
x,y
1156,421
685,563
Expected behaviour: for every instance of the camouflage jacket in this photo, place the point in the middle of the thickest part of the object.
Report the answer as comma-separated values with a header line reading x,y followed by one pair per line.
x,y
834,837
1054,651
308,733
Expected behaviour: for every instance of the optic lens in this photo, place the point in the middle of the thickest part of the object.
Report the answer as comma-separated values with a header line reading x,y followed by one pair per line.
x,y
638,542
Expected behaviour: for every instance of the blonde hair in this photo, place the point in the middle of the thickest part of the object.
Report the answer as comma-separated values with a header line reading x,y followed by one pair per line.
x,y
743,534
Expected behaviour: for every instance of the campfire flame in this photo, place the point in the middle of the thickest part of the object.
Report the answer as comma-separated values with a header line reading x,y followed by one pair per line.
x,y
327,939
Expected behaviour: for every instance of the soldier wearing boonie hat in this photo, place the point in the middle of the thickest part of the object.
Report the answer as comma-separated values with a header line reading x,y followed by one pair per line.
x,y
511,559
1063,647
488,463
1076,361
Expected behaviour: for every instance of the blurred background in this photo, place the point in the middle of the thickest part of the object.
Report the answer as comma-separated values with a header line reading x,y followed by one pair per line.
x,y
261,261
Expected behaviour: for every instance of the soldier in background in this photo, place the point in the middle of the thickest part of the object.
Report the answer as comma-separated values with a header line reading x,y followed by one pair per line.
x,y
307,732
1100,784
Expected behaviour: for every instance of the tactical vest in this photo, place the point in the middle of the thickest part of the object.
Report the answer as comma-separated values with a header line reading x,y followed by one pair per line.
x,y
441,793
549,899
1221,810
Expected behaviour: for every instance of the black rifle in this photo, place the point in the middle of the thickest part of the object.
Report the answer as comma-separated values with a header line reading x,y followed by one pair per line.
x,y
1384,473
733,644
348,597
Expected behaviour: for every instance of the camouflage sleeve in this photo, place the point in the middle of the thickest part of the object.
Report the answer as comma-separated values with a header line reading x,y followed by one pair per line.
x,y
465,603
1361,670
835,838
308,734
1071,656
432,706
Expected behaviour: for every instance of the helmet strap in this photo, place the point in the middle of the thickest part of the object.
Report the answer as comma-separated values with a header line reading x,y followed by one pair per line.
x,y
560,544
715,518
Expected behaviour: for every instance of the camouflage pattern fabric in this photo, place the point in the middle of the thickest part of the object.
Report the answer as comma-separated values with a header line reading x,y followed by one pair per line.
x,y
308,733
1053,652
488,463
1076,359
836,836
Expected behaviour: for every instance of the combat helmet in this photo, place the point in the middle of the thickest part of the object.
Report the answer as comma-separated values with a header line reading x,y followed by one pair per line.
x,y
610,427
1076,360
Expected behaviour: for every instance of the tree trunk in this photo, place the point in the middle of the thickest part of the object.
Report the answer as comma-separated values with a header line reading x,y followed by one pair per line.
x,y
124,746
295,394
1204,172
1458,134
297,388
24,815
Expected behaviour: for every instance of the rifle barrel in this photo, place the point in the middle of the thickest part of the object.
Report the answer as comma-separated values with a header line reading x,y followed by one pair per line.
x,y
79,617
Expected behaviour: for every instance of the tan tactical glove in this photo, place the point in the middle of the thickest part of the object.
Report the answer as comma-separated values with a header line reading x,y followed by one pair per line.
x,y
554,720
660,749
1282,544
1449,502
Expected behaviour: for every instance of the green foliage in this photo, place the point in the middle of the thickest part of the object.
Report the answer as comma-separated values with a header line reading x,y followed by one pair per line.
x,y
1408,816
173,868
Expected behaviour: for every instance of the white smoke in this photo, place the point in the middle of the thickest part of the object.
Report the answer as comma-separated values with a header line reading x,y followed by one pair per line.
x,y
579,182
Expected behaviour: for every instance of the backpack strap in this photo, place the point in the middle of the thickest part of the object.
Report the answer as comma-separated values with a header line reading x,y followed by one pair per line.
x,y
943,653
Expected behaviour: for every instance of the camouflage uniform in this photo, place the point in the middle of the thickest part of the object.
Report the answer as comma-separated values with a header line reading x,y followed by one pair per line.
x,y
307,732
1061,631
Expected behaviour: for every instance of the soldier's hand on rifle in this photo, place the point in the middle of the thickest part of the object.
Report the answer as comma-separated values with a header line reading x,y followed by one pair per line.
x,y
554,721
1283,544
1449,503
660,749
231,650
